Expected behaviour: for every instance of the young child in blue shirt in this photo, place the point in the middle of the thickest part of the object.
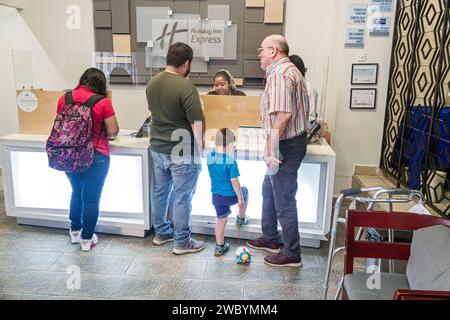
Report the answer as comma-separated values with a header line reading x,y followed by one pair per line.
x,y
225,187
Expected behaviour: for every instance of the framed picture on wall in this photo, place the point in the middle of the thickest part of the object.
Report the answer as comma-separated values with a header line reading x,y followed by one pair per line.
x,y
363,98
364,73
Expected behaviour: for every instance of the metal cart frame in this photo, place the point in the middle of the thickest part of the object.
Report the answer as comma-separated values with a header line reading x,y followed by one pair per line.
x,y
404,196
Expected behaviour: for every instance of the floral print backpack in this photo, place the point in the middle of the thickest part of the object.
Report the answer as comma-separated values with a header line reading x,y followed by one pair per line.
x,y
70,147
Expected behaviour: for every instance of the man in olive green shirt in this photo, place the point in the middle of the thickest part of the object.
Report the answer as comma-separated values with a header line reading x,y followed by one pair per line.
x,y
176,143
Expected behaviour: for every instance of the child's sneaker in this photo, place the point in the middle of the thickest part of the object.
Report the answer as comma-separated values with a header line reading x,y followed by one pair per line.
x,y
242,221
88,245
220,250
75,236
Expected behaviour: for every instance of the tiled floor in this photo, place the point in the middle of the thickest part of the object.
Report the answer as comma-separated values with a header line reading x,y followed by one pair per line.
x,y
35,263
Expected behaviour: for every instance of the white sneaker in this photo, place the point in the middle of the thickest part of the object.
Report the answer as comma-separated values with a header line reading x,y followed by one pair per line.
x,y
159,241
191,247
88,245
75,236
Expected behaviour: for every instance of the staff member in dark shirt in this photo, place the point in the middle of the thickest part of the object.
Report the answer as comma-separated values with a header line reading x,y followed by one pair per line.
x,y
224,85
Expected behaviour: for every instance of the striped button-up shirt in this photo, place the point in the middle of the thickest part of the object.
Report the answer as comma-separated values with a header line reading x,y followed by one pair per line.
x,y
285,92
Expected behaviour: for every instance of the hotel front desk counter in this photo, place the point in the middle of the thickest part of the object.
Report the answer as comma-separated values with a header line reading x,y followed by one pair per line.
x,y
38,195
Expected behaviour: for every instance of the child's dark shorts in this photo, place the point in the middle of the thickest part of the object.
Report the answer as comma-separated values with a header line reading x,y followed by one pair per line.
x,y
223,203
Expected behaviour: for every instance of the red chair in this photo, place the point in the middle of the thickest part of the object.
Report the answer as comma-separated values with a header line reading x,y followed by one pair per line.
x,y
386,250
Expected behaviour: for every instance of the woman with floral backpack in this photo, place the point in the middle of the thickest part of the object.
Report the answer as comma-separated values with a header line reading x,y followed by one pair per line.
x,y
78,145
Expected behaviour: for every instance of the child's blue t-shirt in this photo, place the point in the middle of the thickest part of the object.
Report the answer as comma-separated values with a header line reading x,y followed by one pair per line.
x,y
222,168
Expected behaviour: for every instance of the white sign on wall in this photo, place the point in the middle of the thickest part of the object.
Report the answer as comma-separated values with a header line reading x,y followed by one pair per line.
x,y
27,101
207,38
354,36
379,25
380,5
357,13
166,32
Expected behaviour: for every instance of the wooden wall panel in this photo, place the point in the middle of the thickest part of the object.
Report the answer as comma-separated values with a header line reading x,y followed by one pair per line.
x,y
41,120
230,112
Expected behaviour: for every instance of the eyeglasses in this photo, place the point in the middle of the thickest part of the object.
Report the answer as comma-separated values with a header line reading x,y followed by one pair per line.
x,y
262,49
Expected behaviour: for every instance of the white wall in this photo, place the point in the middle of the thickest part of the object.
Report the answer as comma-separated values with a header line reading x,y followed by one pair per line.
x,y
13,3
69,49
310,31
316,29
23,61
8,114
54,57
38,51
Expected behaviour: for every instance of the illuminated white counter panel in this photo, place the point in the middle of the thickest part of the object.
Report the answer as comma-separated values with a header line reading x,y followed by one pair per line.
x,y
39,195
314,196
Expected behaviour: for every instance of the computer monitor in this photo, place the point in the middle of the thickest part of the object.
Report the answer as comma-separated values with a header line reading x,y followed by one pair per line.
x,y
145,129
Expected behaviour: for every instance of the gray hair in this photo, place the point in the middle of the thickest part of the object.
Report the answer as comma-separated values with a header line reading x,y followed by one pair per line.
x,y
279,42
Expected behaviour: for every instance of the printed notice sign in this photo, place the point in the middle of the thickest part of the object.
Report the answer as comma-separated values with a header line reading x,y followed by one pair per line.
x,y
357,13
380,5
27,101
379,25
207,38
354,36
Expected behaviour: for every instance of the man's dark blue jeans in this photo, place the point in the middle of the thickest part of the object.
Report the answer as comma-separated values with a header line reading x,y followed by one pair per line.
x,y
87,189
279,202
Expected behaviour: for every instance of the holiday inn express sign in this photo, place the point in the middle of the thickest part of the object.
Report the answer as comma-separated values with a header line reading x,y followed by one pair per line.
x,y
206,38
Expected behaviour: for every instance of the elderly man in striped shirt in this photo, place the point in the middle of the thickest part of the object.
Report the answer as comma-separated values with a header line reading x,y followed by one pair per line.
x,y
284,116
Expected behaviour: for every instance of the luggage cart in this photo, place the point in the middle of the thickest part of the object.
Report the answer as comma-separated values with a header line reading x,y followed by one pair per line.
x,y
381,195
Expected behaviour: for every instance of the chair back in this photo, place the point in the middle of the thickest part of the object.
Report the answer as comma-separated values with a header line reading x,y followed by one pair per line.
x,y
383,220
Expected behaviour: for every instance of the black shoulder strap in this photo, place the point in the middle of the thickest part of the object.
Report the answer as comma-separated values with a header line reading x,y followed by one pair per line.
x,y
69,98
92,101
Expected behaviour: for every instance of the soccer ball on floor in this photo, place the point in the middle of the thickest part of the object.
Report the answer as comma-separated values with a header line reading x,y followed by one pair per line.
x,y
243,255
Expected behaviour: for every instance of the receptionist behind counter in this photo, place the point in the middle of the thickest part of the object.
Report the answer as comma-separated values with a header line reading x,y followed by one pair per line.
x,y
224,85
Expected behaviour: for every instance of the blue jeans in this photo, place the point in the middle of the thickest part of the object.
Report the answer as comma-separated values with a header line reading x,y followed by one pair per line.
x,y
176,183
279,203
87,189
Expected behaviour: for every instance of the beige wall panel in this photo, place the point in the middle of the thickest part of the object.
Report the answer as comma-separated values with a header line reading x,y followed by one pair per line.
x,y
230,112
41,120
254,3
122,44
274,11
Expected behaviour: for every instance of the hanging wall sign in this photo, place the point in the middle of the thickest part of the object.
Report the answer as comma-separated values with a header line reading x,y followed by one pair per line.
x,y
27,101
207,38
379,25
354,36
380,5
357,13
364,73
363,98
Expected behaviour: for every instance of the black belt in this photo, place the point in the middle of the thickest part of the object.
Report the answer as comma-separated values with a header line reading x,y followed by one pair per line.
x,y
296,137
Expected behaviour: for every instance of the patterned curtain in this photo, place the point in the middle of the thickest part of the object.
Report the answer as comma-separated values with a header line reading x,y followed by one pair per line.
x,y
416,141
